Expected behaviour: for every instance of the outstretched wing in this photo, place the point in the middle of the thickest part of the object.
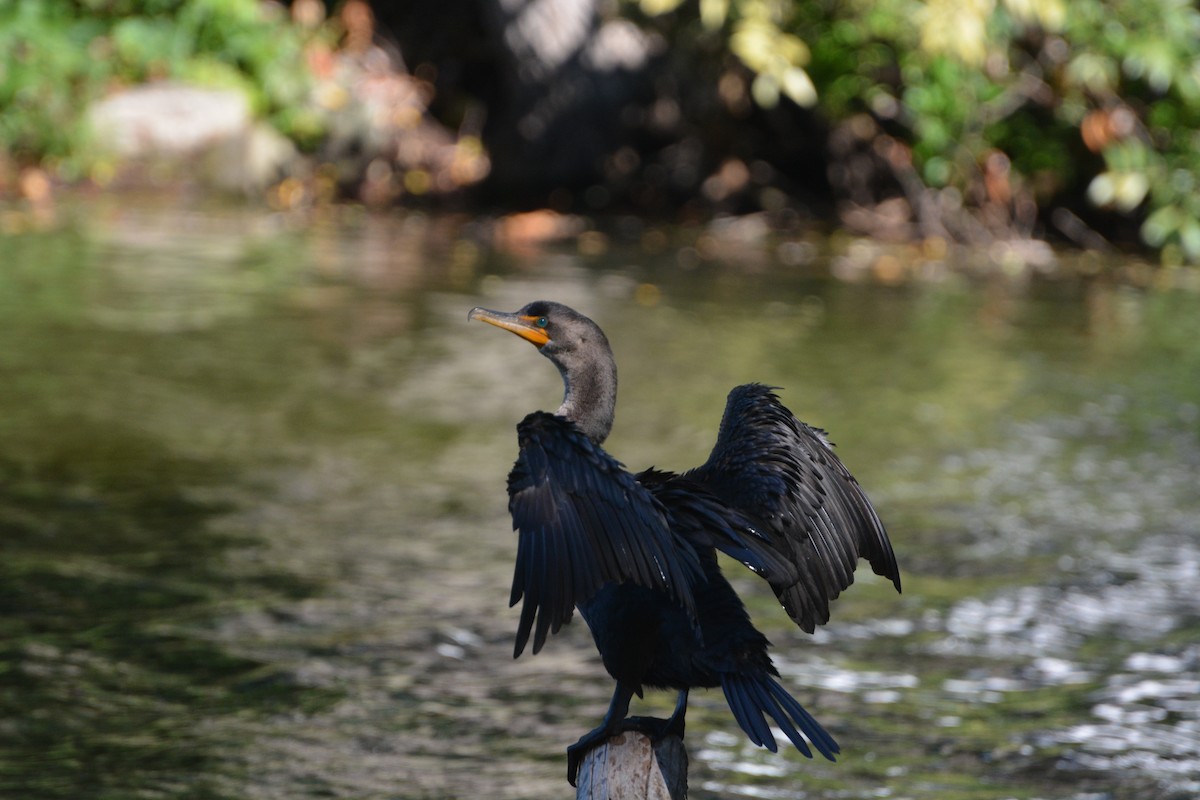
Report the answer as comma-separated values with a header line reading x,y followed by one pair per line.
x,y
697,515
784,474
584,521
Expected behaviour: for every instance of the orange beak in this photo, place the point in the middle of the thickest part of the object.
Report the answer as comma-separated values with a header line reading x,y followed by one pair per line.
x,y
520,325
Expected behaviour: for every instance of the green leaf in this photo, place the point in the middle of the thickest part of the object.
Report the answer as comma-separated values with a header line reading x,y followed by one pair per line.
x,y
1160,225
1189,238
765,90
655,8
713,13
799,87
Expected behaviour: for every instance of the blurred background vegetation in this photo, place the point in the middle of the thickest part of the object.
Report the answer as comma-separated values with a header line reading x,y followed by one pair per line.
x,y
969,121
58,56
1007,101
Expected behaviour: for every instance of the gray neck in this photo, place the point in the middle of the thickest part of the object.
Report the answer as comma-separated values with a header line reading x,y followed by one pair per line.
x,y
590,397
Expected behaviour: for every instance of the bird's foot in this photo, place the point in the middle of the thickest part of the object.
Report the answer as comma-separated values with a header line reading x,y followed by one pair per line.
x,y
657,729
653,727
577,751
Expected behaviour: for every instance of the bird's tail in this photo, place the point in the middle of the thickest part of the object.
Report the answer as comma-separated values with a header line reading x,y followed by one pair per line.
x,y
752,696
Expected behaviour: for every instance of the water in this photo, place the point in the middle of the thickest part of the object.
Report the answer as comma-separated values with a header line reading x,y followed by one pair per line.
x,y
253,538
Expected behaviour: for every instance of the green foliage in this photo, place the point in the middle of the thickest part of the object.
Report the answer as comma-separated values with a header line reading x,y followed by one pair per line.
x,y
45,69
56,56
758,36
1142,59
1097,93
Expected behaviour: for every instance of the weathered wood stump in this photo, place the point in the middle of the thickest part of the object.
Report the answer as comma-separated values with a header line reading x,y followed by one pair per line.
x,y
629,767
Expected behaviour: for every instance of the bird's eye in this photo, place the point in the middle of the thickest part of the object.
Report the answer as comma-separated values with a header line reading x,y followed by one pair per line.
x,y
541,322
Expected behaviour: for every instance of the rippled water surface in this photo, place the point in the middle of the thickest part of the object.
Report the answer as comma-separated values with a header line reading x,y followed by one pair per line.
x,y
254,543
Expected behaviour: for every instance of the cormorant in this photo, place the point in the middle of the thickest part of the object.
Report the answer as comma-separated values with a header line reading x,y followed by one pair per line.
x,y
636,554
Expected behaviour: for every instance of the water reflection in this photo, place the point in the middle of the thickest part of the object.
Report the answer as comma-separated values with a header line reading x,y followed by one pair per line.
x,y
109,574
255,541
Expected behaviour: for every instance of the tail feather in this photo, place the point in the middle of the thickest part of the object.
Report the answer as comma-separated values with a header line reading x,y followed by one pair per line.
x,y
748,712
769,704
750,697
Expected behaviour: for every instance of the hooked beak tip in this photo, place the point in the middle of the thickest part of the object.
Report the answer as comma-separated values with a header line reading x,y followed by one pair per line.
x,y
510,322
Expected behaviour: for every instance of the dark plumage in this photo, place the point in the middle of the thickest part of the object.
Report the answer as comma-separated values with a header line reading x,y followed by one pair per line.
x,y
636,554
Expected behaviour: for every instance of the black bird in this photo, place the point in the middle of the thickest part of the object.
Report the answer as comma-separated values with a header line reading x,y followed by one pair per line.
x,y
636,554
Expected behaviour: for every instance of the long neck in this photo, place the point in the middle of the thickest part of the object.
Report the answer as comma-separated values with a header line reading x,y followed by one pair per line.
x,y
590,397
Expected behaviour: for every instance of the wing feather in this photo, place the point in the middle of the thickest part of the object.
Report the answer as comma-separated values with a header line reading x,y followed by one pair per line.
x,y
697,515
785,477
584,521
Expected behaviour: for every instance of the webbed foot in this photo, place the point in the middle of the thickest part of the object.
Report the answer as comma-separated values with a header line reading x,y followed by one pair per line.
x,y
657,729
653,727
581,748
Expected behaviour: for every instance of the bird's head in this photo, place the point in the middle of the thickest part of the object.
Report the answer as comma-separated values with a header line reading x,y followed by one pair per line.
x,y
559,332
578,348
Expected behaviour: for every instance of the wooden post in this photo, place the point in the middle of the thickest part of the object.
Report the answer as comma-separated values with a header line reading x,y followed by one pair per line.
x,y
629,767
